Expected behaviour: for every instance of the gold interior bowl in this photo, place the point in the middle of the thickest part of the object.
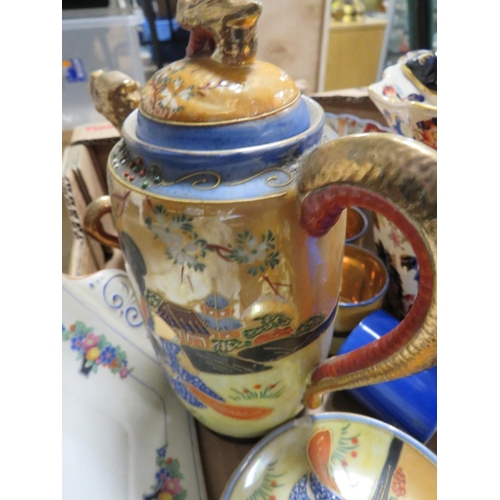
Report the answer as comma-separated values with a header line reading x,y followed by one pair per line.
x,y
364,283
357,224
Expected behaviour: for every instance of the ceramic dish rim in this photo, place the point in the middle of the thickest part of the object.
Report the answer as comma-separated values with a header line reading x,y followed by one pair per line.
x,y
348,305
349,241
375,94
355,417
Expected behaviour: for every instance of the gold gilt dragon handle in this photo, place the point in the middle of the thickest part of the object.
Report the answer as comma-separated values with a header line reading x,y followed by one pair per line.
x,y
396,177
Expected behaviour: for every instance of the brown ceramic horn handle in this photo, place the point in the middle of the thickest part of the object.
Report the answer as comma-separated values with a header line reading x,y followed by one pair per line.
x,y
92,221
396,177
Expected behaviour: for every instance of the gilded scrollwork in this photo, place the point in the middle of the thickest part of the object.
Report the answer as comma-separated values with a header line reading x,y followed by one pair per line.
x,y
200,180
133,169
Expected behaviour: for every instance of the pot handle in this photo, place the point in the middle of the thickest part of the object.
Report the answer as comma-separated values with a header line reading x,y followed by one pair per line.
x,y
396,177
92,221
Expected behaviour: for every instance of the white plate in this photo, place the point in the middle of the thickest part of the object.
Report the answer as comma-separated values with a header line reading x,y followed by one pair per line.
x,y
124,430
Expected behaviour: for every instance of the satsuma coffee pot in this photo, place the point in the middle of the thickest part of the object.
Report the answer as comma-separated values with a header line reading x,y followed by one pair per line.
x,y
229,204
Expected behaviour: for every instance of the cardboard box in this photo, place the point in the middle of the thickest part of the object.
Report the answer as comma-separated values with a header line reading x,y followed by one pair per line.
x,y
84,180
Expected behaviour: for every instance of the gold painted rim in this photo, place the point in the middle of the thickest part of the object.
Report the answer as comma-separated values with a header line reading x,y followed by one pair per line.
x,y
143,192
400,104
413,79
221,122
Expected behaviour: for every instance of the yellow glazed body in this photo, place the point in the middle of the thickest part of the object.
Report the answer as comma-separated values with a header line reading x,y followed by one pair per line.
x,y
239,300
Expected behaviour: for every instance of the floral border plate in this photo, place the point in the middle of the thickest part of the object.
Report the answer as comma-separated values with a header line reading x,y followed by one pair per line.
x,y
336,456
125,435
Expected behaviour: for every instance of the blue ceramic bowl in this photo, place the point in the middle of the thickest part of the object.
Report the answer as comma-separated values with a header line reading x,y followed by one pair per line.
x,y
410,403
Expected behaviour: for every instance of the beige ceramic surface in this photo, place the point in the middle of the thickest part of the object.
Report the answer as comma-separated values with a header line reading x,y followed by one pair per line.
x,y
336,456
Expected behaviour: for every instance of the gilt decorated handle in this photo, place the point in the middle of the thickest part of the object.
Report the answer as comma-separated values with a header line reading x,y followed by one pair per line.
x,y
396,177
92,221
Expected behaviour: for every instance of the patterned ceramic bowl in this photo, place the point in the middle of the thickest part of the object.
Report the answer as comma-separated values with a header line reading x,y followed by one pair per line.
x,y
336,456
409,106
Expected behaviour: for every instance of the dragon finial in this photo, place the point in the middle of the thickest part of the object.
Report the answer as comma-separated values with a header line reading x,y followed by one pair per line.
x,y
225,29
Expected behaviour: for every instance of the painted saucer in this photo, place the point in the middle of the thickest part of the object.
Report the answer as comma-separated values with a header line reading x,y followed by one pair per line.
x,y
124,432
336,456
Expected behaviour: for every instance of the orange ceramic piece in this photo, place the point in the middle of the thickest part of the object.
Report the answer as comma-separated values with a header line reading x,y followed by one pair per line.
x,y
232,411
319,451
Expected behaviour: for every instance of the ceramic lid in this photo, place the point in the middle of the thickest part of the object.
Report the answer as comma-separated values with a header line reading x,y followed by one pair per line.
x,y
219,81
203,90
